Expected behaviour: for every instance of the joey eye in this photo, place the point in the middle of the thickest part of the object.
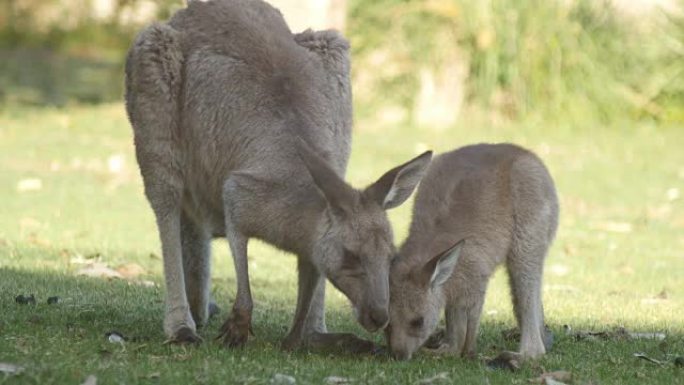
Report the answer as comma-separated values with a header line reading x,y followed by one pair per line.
x,y
417,323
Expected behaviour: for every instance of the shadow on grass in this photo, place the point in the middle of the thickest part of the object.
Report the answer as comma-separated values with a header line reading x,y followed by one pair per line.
x,y
95,306
64,342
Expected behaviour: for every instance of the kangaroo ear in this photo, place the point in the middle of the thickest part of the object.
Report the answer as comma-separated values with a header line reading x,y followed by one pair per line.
x,y
440,268
393,188
339,194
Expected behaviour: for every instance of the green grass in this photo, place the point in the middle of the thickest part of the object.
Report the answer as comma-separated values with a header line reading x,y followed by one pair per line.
x,y
619,245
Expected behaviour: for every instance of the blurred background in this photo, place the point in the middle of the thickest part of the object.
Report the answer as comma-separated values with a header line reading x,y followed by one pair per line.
x,y
422,62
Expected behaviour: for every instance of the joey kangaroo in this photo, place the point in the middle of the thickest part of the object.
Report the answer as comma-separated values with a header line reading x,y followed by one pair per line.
x,y
500,200
243,130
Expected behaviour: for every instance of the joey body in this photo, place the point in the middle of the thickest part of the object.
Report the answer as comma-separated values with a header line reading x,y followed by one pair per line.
x,y
500,202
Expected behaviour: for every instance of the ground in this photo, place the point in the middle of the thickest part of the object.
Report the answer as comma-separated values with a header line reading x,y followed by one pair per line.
x,y
72,200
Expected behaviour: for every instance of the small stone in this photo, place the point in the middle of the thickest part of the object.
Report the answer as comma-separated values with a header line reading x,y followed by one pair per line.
x,y
283,379
115,337
679,362
25,300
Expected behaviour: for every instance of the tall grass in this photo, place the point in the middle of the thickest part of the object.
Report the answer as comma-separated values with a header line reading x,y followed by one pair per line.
x,y
525,57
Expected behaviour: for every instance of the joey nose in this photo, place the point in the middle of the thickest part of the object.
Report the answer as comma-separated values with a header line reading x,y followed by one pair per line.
x,y
401,355
379,318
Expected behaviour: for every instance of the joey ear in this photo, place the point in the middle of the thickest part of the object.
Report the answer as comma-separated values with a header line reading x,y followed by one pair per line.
x,y
337,192
440,268
393,188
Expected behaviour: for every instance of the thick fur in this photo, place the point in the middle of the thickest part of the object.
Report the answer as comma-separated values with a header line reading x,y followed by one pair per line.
x,y
231,113
502,201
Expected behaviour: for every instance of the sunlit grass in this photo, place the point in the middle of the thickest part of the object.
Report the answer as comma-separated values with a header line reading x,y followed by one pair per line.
x,y
617,261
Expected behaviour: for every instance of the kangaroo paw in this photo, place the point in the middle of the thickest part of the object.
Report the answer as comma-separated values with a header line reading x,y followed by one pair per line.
x,y
235,331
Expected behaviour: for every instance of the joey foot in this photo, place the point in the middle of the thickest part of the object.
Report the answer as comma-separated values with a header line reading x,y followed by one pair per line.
x,y
236,329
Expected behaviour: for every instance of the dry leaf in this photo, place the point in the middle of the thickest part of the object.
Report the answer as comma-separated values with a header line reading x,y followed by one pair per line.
x,y
443,376
29,184
99,270
551,381
615,227
8,368
130,270
559,375
283,379
334,380
647,358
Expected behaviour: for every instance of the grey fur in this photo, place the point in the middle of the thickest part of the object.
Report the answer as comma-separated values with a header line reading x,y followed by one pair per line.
x,y
243,129
502,201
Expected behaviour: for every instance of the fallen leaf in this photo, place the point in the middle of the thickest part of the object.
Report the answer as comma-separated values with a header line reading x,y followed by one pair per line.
x,y
29,184
505,360
334,380
99,270
283,379
558,375
559,270
551,381
90,380
672,194
647,358
115,163
615,227
443,376
130,270
618,333
647,336
8,368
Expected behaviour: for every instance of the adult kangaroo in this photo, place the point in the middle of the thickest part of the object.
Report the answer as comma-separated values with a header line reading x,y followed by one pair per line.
x,y
242,129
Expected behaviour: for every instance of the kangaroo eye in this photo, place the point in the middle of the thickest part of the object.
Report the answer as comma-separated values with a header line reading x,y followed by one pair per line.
x,y
417,323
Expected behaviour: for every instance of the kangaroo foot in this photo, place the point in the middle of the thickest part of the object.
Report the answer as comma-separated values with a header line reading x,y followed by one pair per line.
x,y
236,329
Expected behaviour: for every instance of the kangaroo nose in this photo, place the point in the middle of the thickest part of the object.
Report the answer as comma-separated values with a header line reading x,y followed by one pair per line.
x,y
379,317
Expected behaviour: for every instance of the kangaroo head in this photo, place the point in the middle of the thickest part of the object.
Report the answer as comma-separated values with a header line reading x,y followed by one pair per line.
x,y
355,242
416,299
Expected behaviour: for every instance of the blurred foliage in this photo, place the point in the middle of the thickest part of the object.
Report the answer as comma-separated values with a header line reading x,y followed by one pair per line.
x,y
524,57
55,53
539,58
